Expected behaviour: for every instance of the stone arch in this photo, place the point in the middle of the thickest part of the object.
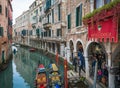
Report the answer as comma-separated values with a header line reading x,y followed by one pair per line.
x,y
80,51
79,44
71,45
88,57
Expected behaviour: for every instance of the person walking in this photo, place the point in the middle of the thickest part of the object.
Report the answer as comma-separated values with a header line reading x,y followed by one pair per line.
x,y
75,63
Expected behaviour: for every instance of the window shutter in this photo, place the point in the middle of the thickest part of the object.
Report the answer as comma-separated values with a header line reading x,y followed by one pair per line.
x,y
1,31
57,32
69,21
0,8
77,16
80,14
59,15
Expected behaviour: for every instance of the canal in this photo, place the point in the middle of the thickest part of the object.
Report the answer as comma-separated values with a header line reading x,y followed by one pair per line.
x,y
22,69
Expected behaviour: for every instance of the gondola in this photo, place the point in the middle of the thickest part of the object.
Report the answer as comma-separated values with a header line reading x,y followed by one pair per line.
x,y
41,77
54,77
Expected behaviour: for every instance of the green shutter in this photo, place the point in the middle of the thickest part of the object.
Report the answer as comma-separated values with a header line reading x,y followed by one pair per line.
x,y
59,12
1,31
81,15
0,8
69,21
37,31
77,16
52,15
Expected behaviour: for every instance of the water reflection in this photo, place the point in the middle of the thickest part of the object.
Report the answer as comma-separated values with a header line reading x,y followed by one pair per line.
x,y
26,63
22,70
6,77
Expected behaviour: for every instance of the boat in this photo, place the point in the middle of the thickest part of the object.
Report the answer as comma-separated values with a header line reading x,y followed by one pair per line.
x,y
32,49
14,49
41,77
54,77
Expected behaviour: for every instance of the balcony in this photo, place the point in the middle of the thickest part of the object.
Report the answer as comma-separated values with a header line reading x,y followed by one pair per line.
x,y
54,38
47,26
48,6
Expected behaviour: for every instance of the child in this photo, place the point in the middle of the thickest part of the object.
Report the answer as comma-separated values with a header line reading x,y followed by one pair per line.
x,y
99,74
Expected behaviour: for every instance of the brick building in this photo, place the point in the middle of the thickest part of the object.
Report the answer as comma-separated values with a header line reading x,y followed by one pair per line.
x,y
5,29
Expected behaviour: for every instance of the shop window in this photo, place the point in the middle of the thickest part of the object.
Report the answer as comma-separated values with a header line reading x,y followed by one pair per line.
x,y
0,8
79,15
69,21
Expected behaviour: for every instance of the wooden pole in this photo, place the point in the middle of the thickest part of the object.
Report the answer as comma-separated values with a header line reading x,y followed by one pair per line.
x,y
65,74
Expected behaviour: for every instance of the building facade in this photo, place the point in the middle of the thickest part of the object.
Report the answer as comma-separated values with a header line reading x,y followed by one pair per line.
x,y
22,27
102,24
5,29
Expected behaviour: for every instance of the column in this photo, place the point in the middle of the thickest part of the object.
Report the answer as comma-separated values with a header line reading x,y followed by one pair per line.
x,y
86,66
51,47
111,78
67,52
56,48
62,49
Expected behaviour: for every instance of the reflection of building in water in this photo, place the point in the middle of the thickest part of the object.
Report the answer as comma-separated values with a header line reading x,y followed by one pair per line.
x,y
6,77
27,62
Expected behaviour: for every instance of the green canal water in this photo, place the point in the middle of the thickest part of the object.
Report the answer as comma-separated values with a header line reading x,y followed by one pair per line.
x,y
22,69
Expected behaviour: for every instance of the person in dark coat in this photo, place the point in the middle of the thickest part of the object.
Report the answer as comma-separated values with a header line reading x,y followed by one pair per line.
x,y
81,61
75,63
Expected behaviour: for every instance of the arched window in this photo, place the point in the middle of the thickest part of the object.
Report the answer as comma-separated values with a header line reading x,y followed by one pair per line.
x,y
0,8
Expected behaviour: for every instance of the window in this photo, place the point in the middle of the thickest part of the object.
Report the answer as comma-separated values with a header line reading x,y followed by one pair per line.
x,y
79,15
0,8
69,21
1,31
59,32
40,19
48,18
6,11
52,15
100,3
107,1
40,9
59,17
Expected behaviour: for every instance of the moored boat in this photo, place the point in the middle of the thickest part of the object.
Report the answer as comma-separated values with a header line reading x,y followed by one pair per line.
x,y
54,77
32,49
41,77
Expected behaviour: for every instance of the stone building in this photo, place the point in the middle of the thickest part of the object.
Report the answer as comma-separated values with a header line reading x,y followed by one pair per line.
x,y
5,29
102,24
21,27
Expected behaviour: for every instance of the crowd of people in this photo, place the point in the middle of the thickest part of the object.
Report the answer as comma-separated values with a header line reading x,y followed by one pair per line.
x,y
102,71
